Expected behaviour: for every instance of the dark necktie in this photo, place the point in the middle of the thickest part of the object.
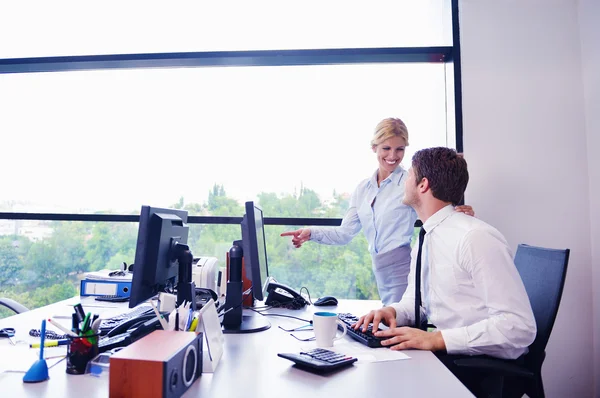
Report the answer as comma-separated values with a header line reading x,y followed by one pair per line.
x,y
418,281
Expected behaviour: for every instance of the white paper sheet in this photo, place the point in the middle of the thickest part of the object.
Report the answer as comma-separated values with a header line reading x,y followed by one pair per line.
x,y
361,352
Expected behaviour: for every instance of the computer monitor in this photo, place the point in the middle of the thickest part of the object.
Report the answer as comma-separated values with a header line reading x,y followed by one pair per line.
x,y
255,250
163,260
257,270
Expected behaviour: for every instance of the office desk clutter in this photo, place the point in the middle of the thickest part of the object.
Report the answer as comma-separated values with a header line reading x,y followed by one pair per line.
x,y
114,283
205,271
326,301
230,379
367,338
325,325
39,370
182,333
83,340
8,333
162,364
319,360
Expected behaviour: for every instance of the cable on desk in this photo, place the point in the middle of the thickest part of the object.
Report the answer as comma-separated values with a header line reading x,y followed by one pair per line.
x,y
261,308
307,292
244,295
50,334
282,315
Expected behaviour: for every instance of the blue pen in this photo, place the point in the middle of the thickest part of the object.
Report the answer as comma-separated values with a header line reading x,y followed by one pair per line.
x,y
42,339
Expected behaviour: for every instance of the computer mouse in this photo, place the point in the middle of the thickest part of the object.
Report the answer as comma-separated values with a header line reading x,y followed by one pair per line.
x,y
326,300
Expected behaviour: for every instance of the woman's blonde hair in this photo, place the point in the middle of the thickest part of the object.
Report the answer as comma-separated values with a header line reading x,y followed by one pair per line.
x,y
389,128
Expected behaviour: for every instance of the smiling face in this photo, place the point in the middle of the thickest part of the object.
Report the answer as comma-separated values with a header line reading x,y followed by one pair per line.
x,y
389,155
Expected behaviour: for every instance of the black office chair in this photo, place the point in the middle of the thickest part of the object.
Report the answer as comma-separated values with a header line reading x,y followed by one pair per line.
x,y
543,272
13,305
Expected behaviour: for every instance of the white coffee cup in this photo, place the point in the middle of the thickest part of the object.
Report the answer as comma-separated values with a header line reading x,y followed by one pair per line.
x,y
325,326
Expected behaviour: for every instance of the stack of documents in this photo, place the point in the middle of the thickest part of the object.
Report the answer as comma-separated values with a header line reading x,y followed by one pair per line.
x,y
106,283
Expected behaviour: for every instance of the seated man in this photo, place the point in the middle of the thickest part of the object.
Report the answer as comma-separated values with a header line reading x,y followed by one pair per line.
x,y
470,288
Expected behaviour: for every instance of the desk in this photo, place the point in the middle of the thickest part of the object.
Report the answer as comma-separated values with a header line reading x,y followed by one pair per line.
x,y
250,366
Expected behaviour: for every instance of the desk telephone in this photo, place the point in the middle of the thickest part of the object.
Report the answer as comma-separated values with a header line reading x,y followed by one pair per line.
x,y
280,295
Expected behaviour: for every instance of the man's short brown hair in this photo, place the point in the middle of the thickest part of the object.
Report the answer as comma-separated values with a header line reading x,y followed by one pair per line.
x,y
445,170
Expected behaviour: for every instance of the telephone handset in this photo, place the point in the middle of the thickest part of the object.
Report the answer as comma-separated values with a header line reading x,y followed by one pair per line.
x,y
280,295
137,322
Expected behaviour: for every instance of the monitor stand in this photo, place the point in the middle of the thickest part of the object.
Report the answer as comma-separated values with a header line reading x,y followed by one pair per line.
x,y
249,324
186,289
234,321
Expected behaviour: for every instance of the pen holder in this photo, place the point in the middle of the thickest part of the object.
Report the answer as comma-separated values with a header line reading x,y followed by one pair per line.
x,y
80,351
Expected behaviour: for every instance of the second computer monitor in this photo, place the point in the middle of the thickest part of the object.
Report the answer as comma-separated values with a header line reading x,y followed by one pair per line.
x,y
255,250
161,234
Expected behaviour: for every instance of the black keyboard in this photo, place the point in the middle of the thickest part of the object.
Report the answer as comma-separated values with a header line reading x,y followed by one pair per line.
x,y
319,360
110,323
365,338
108,343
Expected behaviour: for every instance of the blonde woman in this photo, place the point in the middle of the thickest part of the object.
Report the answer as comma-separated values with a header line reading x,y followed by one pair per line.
x,y
376,207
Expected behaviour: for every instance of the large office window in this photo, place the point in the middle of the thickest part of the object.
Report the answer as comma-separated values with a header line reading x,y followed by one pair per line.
x,y
111,140
209,130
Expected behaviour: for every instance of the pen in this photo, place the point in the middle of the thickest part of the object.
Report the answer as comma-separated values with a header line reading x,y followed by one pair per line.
x,y
62,328
161,318
75,323
95,327
61,316
54,343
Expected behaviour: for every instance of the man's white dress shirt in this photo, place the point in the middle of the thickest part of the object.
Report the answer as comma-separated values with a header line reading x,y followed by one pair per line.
x,y
475,295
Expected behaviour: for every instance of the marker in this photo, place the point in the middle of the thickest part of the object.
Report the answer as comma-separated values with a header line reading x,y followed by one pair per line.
x,y
75,323
194,324
86,323
94,329
54,343
62,328
96,325
79,311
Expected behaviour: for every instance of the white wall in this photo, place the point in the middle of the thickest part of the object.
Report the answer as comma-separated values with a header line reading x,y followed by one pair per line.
x,y
525,140
589,14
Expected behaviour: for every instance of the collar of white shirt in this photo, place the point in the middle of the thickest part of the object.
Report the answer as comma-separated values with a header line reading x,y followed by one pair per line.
x,y
438,217
394,178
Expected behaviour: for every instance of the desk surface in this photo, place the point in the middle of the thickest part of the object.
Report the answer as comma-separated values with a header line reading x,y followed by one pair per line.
x,y
250,366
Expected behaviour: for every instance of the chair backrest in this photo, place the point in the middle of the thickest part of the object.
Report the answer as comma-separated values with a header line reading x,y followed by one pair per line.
x,y
13,305
543,272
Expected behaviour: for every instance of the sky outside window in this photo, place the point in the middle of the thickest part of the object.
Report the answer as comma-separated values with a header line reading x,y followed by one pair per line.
x,y
116,139
126,27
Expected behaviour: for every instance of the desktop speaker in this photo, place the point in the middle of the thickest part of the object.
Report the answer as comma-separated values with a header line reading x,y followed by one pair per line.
x,y
162,364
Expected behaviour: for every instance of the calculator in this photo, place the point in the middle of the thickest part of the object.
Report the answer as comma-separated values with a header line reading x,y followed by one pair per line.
x,y
112,299
319,360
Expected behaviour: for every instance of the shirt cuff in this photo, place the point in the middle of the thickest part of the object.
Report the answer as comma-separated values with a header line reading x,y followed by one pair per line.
x,y
456,340
401,318
315,235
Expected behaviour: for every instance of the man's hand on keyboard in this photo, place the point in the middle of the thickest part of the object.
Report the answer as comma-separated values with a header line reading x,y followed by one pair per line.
x,y
405,337
385,315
